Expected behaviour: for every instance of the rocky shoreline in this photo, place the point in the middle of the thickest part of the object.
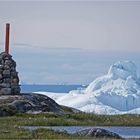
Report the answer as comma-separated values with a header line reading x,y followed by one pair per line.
x,y
30,103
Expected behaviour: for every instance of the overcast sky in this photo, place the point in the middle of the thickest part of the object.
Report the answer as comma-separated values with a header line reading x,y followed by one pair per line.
x,y
70,42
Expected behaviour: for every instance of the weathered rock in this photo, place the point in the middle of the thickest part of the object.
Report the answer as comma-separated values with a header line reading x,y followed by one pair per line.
x,y
14,74
6,67
98,133
5,91
1,66
5,85
15,81
6,73
13,69
1,76
15,90
29,103
9,81
7,61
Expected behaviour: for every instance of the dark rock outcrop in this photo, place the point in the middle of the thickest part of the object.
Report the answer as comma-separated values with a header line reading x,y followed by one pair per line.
x,y
98,133
28,103
9,81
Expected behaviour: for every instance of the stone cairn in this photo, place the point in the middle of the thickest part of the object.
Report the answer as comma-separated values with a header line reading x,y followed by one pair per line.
x,y
9,81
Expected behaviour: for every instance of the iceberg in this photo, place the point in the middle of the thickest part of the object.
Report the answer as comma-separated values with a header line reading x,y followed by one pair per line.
x,y
117,92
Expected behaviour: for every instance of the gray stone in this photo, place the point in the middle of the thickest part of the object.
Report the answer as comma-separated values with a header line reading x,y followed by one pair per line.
x,y
5,91
6,72
2,62
6,67
1,66
9,81
15,91
8,57
1,58
13,69
1,76
13,64
8,62
5,85
15,81
98,133
14,74
1,70
35,102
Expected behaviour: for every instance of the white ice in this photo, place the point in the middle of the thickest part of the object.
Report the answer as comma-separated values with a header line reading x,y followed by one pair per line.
x,y
117,92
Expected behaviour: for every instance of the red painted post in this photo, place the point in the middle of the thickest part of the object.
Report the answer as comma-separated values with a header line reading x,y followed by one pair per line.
x,y
7,38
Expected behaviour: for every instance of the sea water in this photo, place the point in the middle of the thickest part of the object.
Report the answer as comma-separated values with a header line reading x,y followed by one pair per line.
x,y
125,132
50,88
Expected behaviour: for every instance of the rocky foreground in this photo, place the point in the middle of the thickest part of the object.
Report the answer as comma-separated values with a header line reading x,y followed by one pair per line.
x,y
30,103
37,103
98,133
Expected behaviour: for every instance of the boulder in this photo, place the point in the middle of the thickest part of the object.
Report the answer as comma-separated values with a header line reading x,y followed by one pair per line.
x,y
98,133
30,103
5,91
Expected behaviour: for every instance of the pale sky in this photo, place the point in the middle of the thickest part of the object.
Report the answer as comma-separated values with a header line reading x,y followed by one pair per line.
x,y
65,32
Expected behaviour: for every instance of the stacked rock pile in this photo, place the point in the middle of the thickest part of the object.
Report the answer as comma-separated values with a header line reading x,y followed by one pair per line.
x,y
9,81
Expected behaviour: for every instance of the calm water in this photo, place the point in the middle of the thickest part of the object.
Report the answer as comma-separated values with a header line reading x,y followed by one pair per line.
x,y
125,132
50,88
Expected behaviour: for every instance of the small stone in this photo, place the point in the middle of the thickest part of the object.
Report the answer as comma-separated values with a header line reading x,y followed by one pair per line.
x,y
5,85
1,66
1,58
8,57
14,86
13,69
8,62
6,67
15,89
13,63
5,91
14,74
2,62
6,72
1,76
5,55
7,80
15,81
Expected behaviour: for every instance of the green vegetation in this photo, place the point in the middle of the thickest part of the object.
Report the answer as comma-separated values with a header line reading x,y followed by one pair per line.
x,y
9,126
8,110
41,133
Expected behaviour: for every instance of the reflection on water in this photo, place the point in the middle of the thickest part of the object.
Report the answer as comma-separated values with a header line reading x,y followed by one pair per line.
x,y
125,132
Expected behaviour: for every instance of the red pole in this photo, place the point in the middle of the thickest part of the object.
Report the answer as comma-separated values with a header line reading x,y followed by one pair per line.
x,y
7,38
